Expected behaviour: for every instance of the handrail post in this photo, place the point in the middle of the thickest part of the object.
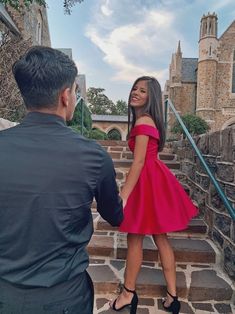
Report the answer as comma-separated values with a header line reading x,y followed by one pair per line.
x,y
82,118
166,113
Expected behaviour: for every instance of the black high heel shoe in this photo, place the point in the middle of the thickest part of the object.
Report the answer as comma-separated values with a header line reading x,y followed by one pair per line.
x,y
174,307
133,304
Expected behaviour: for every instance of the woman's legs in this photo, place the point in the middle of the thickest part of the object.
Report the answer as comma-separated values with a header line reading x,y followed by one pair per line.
x,y
133,265
168,264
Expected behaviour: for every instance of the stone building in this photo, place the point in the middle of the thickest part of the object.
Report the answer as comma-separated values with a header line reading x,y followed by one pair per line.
x,y
19,30
109,123
205,86
30,23
81,78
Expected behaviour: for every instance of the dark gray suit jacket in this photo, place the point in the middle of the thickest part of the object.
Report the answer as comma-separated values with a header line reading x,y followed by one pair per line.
x,y
49,176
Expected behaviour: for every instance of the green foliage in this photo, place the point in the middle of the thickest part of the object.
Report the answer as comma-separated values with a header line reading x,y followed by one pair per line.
x,y
77,117
114,135
120,108
97,135
76,123
193,123
78,129
100,104
16,4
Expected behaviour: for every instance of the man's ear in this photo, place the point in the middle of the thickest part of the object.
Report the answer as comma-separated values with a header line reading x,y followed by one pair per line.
x,y
64,96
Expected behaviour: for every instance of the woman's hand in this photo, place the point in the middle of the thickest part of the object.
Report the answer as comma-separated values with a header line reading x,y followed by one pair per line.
x,y
124,200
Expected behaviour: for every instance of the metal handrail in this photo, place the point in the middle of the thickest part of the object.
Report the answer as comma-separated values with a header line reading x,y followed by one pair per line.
x,y
223,197
81,99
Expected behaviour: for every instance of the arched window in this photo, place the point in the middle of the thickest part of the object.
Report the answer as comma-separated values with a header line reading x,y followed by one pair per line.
x,y
233,73
39,29
114,135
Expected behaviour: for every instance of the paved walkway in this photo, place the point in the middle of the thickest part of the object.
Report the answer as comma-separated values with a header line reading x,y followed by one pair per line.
x,y
202,286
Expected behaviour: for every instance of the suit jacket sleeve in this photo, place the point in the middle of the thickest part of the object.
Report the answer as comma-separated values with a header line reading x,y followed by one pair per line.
x,y
109,203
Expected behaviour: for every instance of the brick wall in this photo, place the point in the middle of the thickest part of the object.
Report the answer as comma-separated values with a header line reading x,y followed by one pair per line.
x,y
218,148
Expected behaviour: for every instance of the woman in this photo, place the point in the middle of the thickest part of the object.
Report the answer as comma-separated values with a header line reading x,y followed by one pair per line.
x,y
155,203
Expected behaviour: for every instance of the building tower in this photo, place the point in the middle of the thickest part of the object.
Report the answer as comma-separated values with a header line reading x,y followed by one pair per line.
x,y
207,68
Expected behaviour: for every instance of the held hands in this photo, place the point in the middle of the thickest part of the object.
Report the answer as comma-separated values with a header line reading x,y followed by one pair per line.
x,y
124,200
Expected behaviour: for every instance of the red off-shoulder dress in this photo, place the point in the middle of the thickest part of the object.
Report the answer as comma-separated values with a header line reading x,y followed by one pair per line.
x,y
158,203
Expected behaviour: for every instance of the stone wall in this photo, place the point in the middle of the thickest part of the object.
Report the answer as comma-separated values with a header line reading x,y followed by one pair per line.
x,y
107,126
218,149
27,22
33,27
206,89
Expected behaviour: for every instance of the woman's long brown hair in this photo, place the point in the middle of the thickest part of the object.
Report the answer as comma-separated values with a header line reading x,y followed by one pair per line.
x,y
152,108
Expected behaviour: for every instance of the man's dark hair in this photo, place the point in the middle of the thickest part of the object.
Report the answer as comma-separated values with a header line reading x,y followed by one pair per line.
x,y
41,74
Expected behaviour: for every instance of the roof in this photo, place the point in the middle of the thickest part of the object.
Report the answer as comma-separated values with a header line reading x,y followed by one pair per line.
x,y
5,17
188,71
109,118
67,51
230,26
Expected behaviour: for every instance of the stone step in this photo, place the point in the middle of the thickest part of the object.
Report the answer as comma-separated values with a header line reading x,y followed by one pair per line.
x,y
196,227
153,305
113,143
128,155
186,250
195,283
121,163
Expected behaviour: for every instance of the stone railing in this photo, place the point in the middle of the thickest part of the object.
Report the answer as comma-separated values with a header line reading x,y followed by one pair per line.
x,y
218,149
5,124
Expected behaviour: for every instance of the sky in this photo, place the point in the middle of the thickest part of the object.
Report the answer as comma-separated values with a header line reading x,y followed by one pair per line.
x,y
115,41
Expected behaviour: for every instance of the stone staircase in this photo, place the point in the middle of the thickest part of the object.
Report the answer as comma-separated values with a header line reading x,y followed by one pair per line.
x,y
201,284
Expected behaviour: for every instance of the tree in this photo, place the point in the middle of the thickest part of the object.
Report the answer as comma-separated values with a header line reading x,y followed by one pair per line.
x,y
99,103
194,124
120,108
16,4
77,120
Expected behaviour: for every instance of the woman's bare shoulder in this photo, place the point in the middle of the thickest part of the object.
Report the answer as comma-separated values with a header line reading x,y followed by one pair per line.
x,y
145,119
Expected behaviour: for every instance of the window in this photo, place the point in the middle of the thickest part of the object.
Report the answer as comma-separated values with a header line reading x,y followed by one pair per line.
x,y
233,73
39,29
1,37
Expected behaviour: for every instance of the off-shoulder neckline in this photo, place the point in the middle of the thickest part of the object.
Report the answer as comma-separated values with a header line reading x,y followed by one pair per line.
x,y
143,124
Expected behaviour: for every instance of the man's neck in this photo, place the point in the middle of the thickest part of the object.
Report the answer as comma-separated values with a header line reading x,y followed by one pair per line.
x,y
55,111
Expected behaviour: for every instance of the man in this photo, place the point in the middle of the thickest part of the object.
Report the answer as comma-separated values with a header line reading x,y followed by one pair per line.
x,y
49,176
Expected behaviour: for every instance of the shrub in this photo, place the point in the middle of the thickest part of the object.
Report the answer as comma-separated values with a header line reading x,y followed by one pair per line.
x,y
193,123
77,117
97,135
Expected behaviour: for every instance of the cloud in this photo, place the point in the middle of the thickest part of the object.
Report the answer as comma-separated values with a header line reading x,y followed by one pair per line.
x,y
105,9
222,4
138,46
83,67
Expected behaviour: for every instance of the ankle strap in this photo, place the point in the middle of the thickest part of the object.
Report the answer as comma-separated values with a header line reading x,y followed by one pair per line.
x,y
175,297
128,290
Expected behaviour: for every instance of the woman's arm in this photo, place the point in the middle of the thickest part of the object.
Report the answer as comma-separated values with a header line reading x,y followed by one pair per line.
x,y
141,143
